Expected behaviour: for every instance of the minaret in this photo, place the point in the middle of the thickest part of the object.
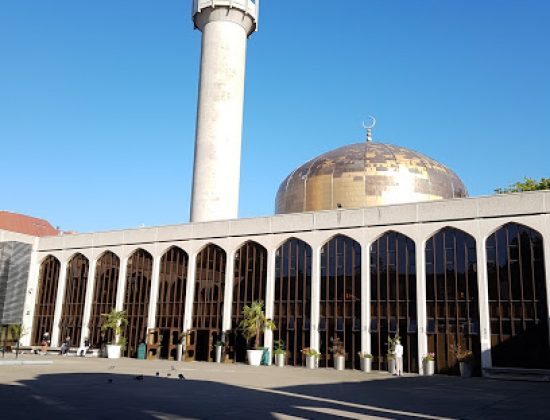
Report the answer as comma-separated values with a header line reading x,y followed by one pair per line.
x,y
225,26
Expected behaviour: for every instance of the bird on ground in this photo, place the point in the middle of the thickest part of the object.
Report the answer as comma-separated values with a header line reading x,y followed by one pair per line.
x,y
181,376
168,375
139,378
157,374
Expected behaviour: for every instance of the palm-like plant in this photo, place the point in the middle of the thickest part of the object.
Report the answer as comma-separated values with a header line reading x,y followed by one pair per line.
x,y
114,321
255,322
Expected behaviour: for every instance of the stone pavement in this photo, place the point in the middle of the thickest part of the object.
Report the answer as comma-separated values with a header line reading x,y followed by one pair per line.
x,y
90,388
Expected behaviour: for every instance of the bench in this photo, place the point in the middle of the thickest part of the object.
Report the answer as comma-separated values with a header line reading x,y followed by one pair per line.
x,y
91,352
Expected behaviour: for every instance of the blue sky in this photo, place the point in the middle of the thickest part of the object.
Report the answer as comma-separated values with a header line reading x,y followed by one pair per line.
x,y
98,98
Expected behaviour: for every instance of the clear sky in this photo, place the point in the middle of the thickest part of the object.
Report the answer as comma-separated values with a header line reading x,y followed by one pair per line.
x,y
98,98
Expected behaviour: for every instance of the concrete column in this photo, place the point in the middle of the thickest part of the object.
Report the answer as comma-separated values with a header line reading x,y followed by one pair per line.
x,y
153,297
88,301
365,298
484,317
216,174
121,285
315,297
421,302
190,292
269,298
228,291
30,297
59,303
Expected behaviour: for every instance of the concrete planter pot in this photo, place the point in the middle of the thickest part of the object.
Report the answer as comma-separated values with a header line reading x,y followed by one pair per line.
x,y
391,366
465,369
113,351
429,367
218,358
254,357
280,360
366,364
339,362
311,362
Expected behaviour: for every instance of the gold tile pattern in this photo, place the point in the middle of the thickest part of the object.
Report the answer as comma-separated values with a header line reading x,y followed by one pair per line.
x,y
366,174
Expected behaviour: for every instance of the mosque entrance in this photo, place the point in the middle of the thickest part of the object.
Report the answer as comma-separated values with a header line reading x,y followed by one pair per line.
x,y
201,344
237,346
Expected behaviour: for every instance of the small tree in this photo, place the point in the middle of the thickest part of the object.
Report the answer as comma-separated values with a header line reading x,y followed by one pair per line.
x,y
255,322
115,321
528,184
17,331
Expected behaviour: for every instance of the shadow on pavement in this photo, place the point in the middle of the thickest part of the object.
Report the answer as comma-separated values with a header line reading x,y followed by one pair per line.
x,y
107,396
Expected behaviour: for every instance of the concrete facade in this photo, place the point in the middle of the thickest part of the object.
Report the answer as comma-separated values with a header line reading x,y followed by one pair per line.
x,y
479,217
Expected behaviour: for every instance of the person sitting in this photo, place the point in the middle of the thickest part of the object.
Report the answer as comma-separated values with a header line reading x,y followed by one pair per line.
x,y
65,346
45,343
84,348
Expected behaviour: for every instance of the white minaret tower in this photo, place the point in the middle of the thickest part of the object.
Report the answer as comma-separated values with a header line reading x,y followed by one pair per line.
x,y
225,26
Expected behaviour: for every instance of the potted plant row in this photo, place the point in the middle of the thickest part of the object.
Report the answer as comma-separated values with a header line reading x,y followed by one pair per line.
x,y
365,360
114,321
312,357
254,323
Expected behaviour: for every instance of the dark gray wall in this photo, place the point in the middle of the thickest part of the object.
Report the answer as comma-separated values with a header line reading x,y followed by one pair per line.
x,y
15,258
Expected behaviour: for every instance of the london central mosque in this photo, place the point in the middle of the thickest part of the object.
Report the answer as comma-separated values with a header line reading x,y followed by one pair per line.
x,y
369,241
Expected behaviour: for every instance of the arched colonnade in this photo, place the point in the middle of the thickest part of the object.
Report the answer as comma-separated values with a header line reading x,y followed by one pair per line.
x,y
437,286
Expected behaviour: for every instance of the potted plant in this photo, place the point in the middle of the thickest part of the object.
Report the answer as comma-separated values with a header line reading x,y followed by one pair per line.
x,y
338,352
366,361
253,324
428,361
465,359
279,352
17,331
219,345
312,357
391,353
114,321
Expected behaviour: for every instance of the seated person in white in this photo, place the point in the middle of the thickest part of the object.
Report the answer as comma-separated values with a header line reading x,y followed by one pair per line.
x,y
84,348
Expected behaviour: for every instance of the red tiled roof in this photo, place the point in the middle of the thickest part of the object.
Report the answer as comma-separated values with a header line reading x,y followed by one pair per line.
x,y
26,224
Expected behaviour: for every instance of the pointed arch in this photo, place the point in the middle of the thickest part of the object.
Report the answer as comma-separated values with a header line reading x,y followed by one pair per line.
x,y
208,298
104,297
136,298
45,298
452,303
171,299
249,285
292,300
340,300
70,323
517,297
393,298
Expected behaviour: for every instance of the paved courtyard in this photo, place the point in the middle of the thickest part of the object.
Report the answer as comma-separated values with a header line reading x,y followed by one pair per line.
x,y
76,388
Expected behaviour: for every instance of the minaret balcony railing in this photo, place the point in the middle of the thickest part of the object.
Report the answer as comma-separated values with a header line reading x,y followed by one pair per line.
x,y
249,6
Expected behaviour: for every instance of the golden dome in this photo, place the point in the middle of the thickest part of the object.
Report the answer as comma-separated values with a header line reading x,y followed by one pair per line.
x,y
366,174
